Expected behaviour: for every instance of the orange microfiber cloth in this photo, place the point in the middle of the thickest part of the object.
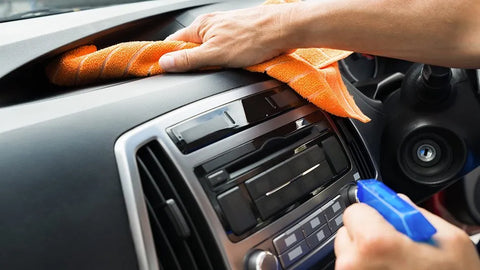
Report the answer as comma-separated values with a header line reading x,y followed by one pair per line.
x,y
313,72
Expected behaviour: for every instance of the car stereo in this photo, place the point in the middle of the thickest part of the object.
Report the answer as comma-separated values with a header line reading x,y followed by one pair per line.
x,y
262,166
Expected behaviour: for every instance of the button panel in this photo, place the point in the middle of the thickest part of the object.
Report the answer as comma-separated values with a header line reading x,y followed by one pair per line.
x,y
294,254
309,233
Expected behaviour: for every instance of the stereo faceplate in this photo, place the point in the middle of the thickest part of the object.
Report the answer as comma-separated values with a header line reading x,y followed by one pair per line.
x,y
301,138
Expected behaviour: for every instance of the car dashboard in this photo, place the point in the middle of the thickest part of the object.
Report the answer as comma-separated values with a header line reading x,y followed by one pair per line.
x,y
218,169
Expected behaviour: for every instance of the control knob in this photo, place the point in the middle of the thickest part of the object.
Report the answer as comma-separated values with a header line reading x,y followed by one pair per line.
x,y
262,260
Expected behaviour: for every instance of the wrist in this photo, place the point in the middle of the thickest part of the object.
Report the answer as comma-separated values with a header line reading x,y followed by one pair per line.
x,y
310,24
294,26
277,27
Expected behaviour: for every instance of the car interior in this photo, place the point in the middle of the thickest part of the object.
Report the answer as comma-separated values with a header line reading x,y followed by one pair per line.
x,y
217,169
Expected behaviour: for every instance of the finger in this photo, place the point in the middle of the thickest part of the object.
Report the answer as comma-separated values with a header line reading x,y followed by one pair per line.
x,y
189,59
343,242
362,221
188,34
344,249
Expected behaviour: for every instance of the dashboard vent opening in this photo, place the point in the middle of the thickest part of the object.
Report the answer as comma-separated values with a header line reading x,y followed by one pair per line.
x,y
179,241
358,151
365,170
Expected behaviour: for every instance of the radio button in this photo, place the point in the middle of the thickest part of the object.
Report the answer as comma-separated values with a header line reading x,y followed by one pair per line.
x,y
236,210
294,254
334,209
217,177
318,237
314,224
286,241
336,223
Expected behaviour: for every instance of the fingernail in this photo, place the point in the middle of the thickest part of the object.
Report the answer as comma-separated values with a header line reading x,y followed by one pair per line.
x,y
167,62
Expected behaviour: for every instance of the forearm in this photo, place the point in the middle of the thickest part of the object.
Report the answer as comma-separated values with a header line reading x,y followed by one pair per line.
x,y
438,32
441,32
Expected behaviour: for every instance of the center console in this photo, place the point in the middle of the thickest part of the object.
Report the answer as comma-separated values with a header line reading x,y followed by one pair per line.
x,y
264,168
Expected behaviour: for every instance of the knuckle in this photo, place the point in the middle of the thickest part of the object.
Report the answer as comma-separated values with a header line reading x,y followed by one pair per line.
x,y
458,237
202,19
203,23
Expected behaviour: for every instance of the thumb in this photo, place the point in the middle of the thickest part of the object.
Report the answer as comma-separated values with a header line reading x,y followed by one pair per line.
x,y
184,60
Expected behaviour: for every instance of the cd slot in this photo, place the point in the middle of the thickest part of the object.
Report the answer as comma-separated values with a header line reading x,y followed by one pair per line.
x,y
273,150
288,181
273,202
265,145
257,182
284,172
233,117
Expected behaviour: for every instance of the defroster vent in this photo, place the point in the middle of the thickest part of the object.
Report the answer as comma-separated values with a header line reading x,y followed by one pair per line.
x,y
179,239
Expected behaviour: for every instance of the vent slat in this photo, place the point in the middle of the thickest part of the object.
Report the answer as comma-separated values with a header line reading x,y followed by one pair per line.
x,y
163,246
195,242
166,185
150,188
188,262
362,165
174,250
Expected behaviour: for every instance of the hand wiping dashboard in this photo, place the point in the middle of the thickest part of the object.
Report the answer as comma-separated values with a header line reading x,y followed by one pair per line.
x,y
312,72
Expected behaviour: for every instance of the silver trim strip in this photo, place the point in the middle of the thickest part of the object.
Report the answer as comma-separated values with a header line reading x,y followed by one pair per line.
x,y
293,180
135,204
309,170
277,188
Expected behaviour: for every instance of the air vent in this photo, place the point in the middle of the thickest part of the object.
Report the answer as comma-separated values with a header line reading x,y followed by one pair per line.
x,y
363,165
176,231
357,149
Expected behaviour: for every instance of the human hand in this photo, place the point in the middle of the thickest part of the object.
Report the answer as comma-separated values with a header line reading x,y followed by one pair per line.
x,y
236,38
368,241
